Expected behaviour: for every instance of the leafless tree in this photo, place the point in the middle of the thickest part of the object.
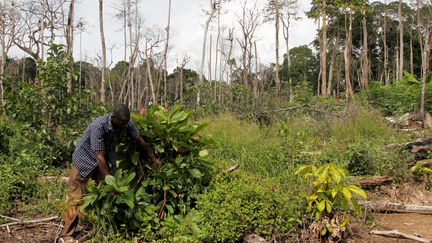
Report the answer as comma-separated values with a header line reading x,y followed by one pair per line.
x,y
249,21
7,20
214,5
165,66
103,45
153,37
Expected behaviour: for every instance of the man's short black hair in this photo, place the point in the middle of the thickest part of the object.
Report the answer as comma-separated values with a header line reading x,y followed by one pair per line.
x,y
121,111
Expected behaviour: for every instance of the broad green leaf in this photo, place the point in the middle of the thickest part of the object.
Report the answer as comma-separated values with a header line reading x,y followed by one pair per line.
x,y
130,203
200,127
329,206
130,177
140,193
321,206
358,191
110,180
347,193
410,78
179,117
178,160
355,205
135,158
195,173
170,209
324,231
335,192
203,153
304,169
123,189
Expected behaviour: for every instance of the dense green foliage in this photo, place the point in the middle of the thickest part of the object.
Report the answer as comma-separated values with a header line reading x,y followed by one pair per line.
x,y
37,132
140,195
240,202
401,97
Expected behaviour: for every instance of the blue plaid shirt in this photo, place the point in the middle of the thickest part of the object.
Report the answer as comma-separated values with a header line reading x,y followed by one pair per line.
x,y
100,136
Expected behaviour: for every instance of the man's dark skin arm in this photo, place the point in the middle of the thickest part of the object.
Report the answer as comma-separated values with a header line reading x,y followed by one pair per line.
x,y
144,147
103,168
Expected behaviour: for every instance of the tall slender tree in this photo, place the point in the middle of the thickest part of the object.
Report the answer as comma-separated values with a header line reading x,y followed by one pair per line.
x,y
277,20
401,41
70,39
165,66
214,5
364,55
103,45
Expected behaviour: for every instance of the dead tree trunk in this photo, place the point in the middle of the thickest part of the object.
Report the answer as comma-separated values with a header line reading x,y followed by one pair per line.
x,y
425,71
102,35
69,41
166,54
3,55
365,56
347,54
277,18
206,27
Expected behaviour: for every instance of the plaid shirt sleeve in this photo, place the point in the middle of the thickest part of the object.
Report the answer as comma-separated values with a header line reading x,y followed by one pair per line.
x,y
132,131
96,140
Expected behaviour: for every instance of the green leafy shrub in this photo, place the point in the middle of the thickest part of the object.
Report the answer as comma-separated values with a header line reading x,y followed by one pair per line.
x,y
330,193
400,97
422,171
182,228
239,203
362,159
141,195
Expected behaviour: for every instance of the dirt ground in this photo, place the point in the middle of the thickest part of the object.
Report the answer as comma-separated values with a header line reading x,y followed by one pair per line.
x,y
409,223
413,224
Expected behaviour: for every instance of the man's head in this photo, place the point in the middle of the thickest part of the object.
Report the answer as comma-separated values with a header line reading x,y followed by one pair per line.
x,y
121,116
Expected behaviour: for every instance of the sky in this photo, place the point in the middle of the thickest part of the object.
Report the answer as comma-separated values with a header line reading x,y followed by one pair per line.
x,y
187,24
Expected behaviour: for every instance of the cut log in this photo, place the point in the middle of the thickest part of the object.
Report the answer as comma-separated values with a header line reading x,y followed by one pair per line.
x,y
420,146
397,234
375,181
397,207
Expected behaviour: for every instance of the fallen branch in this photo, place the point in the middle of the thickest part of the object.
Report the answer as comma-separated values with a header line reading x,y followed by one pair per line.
x,y
233,168
397,207
46,223
29,222
62,179
397,234
392,145
6,217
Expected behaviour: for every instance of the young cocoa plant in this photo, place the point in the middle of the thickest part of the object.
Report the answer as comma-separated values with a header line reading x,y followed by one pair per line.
x,y
140,194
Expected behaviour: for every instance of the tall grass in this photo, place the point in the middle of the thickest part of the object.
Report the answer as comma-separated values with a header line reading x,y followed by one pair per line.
x,y
260,151
355,139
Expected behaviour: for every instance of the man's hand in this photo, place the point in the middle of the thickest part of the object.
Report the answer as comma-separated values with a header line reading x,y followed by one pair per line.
x,y
156,161
148,151
103,168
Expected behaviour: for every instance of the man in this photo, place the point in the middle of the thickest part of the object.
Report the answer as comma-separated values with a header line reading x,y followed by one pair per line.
x,y
93,157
